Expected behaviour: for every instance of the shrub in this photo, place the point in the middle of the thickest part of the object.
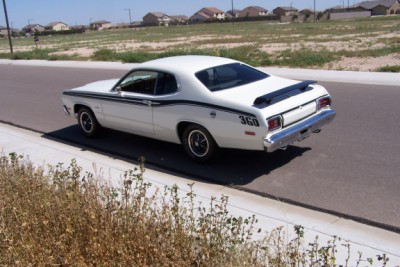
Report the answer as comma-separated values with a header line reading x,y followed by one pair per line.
x,y
389,69
104,55
61,216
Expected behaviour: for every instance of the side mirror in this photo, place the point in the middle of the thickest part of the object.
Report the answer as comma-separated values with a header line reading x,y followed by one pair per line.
x,y
118,89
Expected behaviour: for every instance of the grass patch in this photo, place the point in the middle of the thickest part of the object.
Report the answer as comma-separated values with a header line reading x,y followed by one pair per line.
x,y
41,54
246,54
61,216
305,58
378,52
389,69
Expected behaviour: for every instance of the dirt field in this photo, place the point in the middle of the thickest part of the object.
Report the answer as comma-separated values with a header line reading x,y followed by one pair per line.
x,y
346,63
343,39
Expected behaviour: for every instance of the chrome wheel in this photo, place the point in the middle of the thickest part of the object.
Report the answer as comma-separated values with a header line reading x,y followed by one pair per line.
x,y
198,143
87,121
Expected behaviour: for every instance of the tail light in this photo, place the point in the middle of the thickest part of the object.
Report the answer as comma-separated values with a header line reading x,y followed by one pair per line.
x,y
323,102
274,123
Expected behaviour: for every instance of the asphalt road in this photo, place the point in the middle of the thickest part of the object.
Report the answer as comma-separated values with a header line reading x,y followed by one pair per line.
x,y
351,168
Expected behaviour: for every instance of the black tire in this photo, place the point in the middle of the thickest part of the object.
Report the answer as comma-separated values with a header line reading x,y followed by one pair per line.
x,y
199,144
88,122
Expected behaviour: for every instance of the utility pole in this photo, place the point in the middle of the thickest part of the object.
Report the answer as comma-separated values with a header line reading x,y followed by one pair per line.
x,y
8,27
315,15
130,19
233,12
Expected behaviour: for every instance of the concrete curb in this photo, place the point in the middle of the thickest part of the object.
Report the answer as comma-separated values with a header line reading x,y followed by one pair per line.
x,y
381,78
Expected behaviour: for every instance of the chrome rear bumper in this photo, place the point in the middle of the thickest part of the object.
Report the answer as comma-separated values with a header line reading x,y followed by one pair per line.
x,y
298,131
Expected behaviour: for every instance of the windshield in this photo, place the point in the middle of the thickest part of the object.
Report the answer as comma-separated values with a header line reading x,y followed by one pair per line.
x,y
228,76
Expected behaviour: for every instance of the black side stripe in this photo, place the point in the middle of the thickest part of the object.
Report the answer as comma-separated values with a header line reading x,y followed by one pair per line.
x,y
155,103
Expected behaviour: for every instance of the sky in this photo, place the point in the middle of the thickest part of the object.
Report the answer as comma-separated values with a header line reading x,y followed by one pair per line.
x,y
82,12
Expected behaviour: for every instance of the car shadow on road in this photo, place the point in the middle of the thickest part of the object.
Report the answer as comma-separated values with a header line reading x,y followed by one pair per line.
x,y
233,167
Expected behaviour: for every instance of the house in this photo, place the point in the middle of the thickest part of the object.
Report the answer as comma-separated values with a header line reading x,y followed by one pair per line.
x,y
100,25
365,9
208,14
3,31
253,11
232,13
200,17
381,7
32,28
179,19
340,12
57,26
156,19
307,14
285,11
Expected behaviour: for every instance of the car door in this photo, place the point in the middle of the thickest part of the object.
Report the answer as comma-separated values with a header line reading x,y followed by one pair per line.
x,y
130,107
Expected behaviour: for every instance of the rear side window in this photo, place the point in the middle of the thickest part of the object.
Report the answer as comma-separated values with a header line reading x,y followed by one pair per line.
x,y
141,82
149,83
229,76
166,84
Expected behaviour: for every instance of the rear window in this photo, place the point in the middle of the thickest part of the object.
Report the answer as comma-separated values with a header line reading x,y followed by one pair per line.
x,y
229,76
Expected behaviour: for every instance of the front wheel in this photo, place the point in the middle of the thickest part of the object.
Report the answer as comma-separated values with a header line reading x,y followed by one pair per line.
x,y
198,143
88,122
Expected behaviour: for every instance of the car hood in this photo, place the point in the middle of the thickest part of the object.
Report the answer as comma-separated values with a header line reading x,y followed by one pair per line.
x,y
99,86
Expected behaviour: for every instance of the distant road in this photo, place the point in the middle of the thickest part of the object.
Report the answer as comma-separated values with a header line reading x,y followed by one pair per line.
x,y
352,167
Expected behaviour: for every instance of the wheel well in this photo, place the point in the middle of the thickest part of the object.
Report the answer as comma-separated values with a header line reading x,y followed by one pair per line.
x,y
181,127
79,106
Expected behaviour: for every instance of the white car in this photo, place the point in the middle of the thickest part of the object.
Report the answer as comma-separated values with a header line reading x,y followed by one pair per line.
x,y
204,103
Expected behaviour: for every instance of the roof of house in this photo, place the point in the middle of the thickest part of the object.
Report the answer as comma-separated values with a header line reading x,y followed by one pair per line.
x,y
287,8
258,8
32,26
55,23
100,22
213,10
179,17
158,14
306,10
373,4
203,15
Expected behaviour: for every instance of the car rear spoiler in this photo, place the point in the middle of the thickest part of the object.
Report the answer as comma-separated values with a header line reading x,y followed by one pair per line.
x,y
267,99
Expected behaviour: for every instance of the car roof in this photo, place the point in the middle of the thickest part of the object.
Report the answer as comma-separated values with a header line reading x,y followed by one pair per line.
x,y
188,64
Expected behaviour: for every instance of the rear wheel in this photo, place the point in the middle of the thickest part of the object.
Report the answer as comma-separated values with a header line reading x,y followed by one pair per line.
x,y
198,143
87,122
